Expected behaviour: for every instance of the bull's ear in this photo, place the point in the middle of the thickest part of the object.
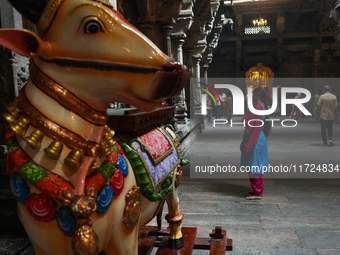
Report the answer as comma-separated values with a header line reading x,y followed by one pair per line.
x,y
23,42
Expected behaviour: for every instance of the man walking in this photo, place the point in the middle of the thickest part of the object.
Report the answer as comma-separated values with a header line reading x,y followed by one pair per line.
x,y
327,111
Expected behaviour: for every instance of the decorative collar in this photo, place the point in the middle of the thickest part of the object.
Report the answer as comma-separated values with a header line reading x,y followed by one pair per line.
x,y
65,97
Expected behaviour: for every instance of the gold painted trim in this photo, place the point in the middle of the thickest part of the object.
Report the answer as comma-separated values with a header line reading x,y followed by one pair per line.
x,y
66,98
132,200
48,15
54,130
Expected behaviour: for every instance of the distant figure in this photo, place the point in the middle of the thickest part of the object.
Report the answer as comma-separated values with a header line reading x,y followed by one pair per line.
x,y
296,113
327,112
223,97
218,107
228,105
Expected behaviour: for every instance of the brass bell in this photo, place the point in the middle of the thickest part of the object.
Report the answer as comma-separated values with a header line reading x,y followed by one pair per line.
x,y
54,149
111,142
94,167
108,133
10,118
112,133
34,140
106,129
20,126
74,158
14,111
13,107
104,149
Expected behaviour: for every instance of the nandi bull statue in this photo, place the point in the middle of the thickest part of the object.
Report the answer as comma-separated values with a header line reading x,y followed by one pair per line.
x,y
81,188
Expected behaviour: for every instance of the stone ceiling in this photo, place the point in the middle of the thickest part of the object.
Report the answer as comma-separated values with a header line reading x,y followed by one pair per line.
x,y
302,30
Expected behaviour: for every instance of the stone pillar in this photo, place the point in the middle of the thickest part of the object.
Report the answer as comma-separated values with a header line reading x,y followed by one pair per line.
x,y
239,24
10,83
205,73
167,39
179,39
280,26
239,31
188,89
182,24
317,56
239,73
166,29
180,102
146,28
10,18
197,74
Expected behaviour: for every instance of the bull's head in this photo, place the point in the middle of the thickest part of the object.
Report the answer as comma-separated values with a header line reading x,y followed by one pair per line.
x,y
87,47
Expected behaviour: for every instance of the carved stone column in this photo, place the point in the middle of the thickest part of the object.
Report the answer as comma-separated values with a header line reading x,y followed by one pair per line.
x,y
280,24
10,18
239,24
197,74
182,24
180,102
239,31
167,28
179,39
317,56
187,56
205,73
239,59
146,28
11,65
10,83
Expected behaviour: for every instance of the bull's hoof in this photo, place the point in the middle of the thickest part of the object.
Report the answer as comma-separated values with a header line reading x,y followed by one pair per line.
x,y
176,244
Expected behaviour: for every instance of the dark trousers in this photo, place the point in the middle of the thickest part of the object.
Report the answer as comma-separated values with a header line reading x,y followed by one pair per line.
x,y
326,125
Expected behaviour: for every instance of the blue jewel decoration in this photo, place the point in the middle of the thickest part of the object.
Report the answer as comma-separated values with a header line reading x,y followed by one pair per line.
x,y
123,165
66,222
104,199
19,187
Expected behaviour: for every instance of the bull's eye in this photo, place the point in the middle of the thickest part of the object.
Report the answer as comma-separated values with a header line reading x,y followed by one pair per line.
x,y
92,27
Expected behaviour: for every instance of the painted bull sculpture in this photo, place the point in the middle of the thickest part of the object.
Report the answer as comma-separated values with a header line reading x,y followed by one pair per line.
x,y
81,188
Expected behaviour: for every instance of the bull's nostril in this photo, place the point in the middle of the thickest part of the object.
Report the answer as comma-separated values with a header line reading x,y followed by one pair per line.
x,y
169,83
169,68
170,65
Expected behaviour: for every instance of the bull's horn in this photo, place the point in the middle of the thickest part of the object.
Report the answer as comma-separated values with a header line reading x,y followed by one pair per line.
x,y
31,9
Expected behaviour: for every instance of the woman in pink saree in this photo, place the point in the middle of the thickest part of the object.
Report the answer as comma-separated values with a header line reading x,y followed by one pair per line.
x,y
254,157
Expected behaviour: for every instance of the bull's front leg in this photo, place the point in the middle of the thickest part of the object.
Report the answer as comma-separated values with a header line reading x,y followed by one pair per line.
x,y
174,217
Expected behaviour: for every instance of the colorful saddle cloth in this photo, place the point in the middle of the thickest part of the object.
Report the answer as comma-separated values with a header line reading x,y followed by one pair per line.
x,y
154,156
158,152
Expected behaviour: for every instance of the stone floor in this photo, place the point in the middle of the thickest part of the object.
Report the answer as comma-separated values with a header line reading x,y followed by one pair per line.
x,y
298,214
295,216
